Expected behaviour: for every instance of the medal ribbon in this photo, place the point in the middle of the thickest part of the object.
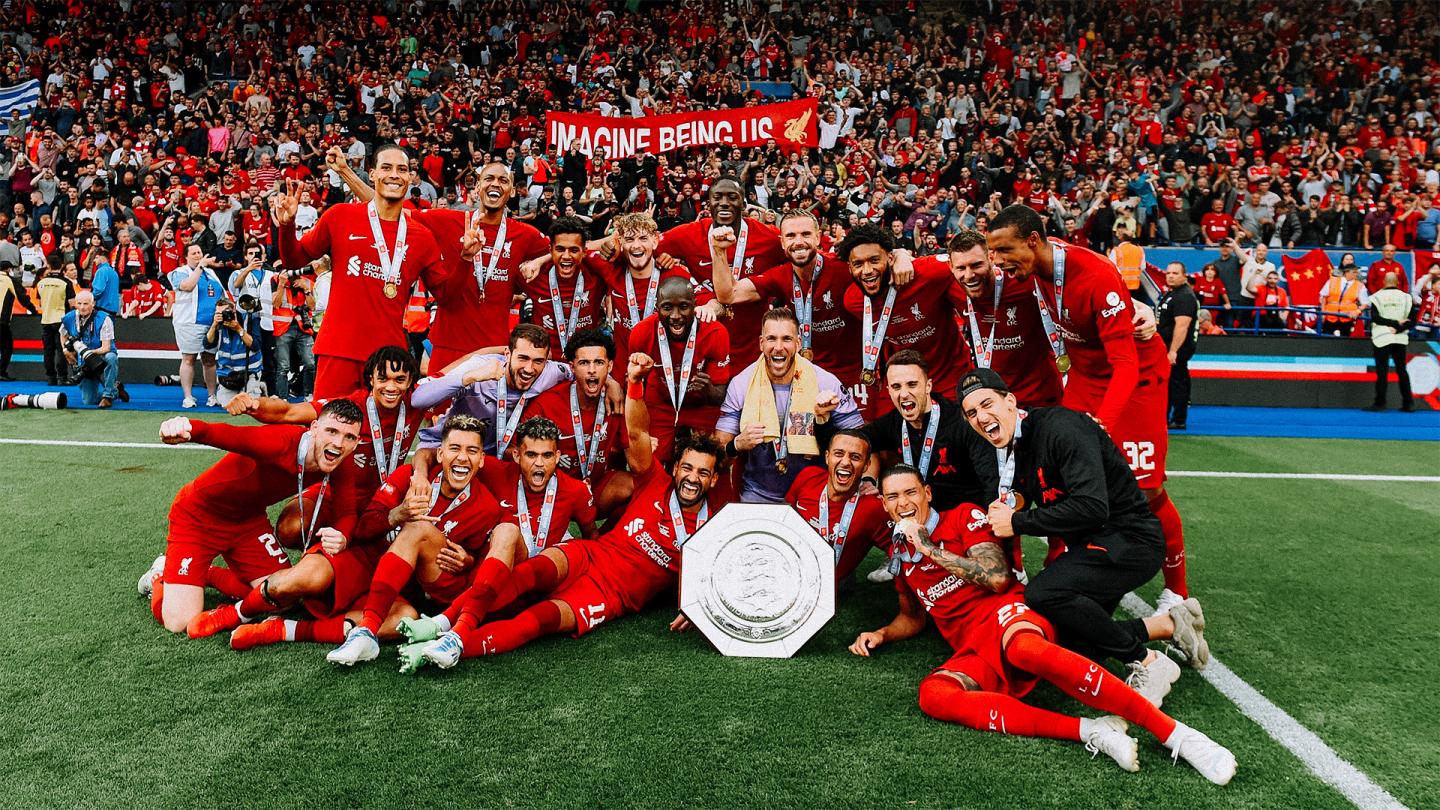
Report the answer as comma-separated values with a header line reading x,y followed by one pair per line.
x,y
389,266
563,325
377,438
637,315
587,449
1052,332
805,302
300,454
677,388
925,449
505,428
1005,461
835,535
485,272
737,264
985,349
677,519
536,540
873,335
900,551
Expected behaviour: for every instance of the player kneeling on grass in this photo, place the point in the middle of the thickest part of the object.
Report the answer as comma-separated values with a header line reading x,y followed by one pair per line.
x,y
439,535
222,512
955,570
588,582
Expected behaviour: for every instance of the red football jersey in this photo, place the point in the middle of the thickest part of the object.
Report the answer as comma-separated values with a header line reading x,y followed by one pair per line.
x,y
924,319
690,243
614,278
573,501
1021,351
949,600
646,528
463,322
363,459
712,355
360,319
835,330
869,524
259,470
1098,326
467,522
555,406
591,302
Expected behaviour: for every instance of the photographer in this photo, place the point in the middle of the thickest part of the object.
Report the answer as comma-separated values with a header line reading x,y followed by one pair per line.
x,y
88,337
254,285
234,344
294,317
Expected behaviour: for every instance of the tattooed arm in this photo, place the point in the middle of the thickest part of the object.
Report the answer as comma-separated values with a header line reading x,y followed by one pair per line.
x,y
984,564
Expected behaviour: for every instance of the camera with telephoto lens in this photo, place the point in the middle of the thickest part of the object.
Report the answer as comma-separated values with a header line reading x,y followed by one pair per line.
x,y
91,365
248,304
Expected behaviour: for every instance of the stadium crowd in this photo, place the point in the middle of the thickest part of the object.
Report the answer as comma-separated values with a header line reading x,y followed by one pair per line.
x,y
219,164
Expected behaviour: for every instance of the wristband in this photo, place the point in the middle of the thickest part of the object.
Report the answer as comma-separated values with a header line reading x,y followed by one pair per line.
x,y
635,390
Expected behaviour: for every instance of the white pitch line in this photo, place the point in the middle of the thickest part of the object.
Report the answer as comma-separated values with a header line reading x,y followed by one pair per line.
x,y
1423,479
1317,757
141,445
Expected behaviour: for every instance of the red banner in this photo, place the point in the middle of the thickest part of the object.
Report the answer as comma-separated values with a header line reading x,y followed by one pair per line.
x,y
791,123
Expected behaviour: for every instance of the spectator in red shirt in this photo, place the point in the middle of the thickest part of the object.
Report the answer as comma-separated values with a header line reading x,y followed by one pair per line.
x,y
1216,226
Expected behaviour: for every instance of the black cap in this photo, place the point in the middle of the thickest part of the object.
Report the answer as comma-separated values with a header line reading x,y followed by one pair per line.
x,y
981,378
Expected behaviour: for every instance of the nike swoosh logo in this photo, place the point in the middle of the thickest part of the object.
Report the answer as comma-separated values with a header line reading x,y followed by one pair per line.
x,y
704,264
1141,476
507,505
353,237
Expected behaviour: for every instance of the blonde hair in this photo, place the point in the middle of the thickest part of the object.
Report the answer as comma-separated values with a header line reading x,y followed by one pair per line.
x,y
639,223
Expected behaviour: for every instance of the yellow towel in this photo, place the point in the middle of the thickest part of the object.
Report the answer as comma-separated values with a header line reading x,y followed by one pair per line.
x,y
760,407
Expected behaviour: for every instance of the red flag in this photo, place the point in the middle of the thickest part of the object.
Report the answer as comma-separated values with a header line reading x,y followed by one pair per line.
x,y
1424,259
1306,275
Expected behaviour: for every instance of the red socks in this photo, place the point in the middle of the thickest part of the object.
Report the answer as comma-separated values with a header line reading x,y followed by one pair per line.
x,y
944,698
227,582
391,575
328,631
255,603
157,600
535,573
482,593
1086,681
1174,531
504,636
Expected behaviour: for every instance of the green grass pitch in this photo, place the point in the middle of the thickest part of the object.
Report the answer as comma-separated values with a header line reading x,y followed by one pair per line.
x,y
1317,593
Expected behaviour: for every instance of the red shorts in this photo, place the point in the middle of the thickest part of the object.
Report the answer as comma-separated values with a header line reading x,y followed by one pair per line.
x,y
337,376
447,587
354,569
1141,432
981,654
250,549
607,582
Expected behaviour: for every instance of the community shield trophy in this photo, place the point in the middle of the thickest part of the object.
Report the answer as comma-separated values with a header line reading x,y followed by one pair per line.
x,y
757,580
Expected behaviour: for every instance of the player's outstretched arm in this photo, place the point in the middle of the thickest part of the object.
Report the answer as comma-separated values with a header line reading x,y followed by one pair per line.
x,y
907,624
982,564
640,453
272,410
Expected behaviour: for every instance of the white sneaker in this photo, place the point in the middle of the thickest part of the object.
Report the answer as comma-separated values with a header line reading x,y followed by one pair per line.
x,y
147,579
212,402
1189,635
360,645
881,574
1153,680
188,403
445,651
1168,599
1211,759
1106,735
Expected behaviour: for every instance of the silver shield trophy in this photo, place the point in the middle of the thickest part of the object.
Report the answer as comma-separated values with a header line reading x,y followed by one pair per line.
x,y
757,580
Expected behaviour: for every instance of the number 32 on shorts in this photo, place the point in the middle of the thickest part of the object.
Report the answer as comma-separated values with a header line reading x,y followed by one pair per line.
x,y
1140,454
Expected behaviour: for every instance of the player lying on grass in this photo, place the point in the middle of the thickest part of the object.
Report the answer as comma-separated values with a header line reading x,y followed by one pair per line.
x,y
1057,474
389,427
955,569
584,583
223,511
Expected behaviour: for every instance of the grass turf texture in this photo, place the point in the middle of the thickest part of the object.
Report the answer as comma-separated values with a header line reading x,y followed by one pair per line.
x,y
1310,588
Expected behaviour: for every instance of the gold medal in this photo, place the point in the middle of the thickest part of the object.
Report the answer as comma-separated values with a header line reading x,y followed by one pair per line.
x,y
391,290
780,466
1062,363
807,354
868,376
